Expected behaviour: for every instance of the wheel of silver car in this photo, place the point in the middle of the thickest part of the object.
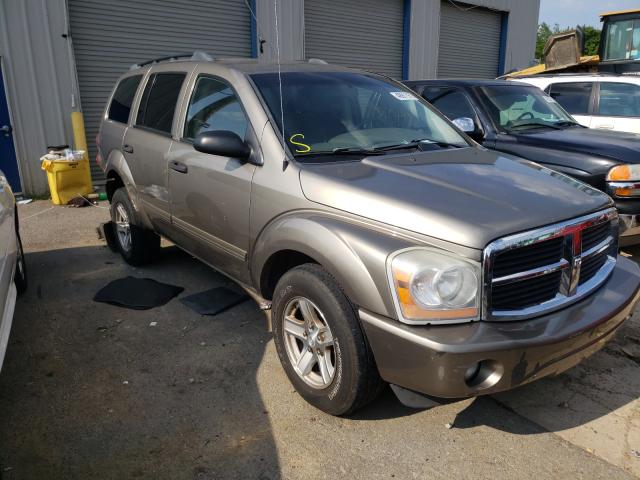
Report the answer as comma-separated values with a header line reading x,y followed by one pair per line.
x,y
20,276
123,228
320,342
137,245
309,342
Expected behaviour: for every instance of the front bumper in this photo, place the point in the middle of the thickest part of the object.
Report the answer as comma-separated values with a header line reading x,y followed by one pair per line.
x,y
434,360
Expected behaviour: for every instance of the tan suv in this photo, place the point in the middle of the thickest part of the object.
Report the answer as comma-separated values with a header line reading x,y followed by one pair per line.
x,y
393,248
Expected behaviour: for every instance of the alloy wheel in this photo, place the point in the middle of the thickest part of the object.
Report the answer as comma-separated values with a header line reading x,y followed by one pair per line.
x,y
123,228
309,342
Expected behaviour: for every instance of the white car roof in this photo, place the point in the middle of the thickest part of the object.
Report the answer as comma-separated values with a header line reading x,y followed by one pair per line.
x,y
544,81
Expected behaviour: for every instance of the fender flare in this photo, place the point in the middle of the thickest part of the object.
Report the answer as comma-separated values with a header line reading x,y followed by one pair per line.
x,y
118,164
353,254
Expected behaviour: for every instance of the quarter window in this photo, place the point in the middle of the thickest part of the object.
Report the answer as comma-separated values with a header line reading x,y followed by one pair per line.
x,y
159,99
574,97
619,100
214,106
123,99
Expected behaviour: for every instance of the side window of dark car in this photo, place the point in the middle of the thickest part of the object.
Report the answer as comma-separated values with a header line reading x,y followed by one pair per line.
x,y
214,106
450,101
123,99
158,103
574,96
619,100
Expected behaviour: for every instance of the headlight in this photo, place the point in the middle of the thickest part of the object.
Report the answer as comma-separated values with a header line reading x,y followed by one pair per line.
x,y
623,181
624,173
432,286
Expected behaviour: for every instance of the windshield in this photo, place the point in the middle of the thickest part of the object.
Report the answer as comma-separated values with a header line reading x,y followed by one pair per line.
x,y
623,40
515,107
344,113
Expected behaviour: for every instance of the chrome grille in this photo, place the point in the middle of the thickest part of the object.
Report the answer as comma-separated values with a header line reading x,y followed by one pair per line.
x,y
541,270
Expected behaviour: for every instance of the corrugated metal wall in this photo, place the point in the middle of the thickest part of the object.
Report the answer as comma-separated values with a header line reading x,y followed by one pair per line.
x,y
469,42
290,29
365,34
111,35
425,33
37,71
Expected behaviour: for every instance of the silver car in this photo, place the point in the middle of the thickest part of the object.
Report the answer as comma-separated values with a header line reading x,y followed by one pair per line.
x,y
13,273
392,247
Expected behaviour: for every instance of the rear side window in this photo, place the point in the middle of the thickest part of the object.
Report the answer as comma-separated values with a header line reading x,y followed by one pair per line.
x,y
214,106
574,97
159,99
619,100
450,101
123,99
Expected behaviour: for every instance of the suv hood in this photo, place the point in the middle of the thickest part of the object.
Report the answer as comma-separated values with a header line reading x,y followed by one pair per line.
x,y
622,146
468,196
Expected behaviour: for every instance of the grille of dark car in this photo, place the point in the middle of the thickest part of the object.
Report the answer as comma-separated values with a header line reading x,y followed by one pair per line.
x,y
530,273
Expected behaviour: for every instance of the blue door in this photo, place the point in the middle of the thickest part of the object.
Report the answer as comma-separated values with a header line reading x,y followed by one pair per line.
x,y
8,160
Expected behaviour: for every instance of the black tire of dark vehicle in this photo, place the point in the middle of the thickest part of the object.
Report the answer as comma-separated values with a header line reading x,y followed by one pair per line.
x,y
356,380
20,277
144,244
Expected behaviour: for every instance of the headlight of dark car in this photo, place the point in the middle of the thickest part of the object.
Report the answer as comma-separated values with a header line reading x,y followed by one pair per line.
x,y
623,181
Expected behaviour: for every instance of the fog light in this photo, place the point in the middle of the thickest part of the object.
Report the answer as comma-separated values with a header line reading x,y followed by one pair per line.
x,y
484,374
471,372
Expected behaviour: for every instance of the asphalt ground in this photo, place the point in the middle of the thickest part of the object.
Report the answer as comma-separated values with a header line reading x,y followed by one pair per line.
x,y
93,391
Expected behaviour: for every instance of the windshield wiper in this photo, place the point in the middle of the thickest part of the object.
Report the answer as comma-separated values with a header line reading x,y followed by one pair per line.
x,y
343,151
566,123
416,144
355,151
536,124
381,150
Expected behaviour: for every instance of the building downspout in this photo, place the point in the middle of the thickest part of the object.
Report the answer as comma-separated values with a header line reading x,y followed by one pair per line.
x,y
77,119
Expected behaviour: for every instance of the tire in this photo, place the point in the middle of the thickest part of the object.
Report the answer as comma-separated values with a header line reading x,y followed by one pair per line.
x,y
20,277
344,376
136,244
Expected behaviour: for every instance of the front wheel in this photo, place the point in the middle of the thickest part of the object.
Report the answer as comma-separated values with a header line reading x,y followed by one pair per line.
x,y
320,342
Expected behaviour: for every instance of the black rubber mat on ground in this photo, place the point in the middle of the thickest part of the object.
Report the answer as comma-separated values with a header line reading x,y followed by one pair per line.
x,y
214,301
137,293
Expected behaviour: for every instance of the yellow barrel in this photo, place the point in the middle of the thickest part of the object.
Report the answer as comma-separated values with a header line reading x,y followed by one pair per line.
x,y
67,180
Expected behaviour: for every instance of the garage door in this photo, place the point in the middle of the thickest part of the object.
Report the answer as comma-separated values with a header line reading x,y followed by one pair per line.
x,y
469,42
111,35
356,33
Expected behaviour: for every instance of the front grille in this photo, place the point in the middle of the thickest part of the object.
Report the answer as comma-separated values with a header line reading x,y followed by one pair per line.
x,y
592,236
533,272
526,258
518,295
591,266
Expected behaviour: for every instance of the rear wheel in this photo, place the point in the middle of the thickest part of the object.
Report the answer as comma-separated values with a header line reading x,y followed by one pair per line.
x,y
320,342
136,244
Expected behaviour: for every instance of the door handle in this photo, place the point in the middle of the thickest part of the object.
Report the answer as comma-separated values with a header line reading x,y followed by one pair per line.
x,y
178,167
127,148
6,130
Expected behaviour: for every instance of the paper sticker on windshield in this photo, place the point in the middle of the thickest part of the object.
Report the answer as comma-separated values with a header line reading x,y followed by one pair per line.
x,y
549,99
403,95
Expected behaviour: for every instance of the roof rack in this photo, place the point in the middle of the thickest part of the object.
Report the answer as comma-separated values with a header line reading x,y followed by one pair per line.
x,y
197,55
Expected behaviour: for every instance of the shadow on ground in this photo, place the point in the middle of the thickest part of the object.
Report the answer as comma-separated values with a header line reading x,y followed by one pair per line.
x,y
93,391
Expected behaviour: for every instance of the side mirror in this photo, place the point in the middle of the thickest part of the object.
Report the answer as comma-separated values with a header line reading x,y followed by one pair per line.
x,y
468,126
223,143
